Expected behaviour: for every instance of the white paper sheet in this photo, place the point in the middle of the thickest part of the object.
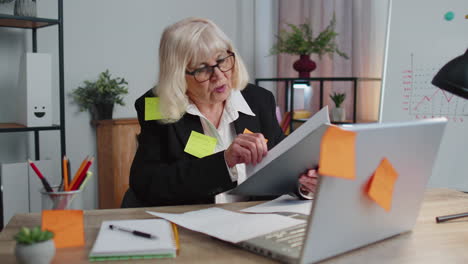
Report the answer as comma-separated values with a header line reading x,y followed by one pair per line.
x,y
285,203
229,226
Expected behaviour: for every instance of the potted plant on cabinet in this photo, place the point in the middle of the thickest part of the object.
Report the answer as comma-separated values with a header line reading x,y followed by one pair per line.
x,y
300,40
34,246
100,96
338,113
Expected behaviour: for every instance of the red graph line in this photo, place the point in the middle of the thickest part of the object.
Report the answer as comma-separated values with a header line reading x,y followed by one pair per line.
x,y
447,98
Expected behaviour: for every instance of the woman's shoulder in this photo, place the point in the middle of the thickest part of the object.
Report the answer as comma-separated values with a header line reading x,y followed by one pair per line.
x,y
141,99
140,102
256,93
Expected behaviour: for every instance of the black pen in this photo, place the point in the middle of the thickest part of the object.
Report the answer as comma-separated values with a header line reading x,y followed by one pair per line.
x,y
441,219
135,232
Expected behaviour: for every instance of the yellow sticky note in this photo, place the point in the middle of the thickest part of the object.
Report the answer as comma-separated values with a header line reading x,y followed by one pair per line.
x,y
67,226
246,131
200,145
152,109
337,153
382,183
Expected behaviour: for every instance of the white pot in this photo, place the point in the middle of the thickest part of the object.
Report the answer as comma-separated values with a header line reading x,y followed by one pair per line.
x,y
338,114
38,253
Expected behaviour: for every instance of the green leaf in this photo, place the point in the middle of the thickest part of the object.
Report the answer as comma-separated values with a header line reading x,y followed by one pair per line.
x,y
49,235
42,236
25,231
35,233
21,238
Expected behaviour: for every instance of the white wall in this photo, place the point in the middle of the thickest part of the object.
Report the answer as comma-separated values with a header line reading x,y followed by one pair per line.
x,y
266,28
119,35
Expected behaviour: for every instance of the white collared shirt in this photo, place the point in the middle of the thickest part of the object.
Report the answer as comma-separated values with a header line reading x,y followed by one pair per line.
x,y
225,135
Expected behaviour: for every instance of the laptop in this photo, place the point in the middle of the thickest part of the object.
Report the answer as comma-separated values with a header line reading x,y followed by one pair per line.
x,y
343,217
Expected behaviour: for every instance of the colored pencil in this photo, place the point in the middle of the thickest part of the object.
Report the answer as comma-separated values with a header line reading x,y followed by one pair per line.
x,y
176,236
41,177
81,177
78,173
69,171
65,172
89,174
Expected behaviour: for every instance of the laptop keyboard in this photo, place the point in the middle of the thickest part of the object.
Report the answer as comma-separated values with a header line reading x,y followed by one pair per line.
x,y
284,245
289,238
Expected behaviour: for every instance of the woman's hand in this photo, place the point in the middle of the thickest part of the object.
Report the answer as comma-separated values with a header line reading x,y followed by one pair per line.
x,y
246,148
308,181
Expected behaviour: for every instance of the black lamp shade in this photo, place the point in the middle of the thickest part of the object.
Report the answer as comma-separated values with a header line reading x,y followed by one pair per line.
x,y
453,77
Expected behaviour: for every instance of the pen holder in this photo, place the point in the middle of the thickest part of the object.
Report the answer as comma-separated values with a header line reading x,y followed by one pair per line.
x,y
61,200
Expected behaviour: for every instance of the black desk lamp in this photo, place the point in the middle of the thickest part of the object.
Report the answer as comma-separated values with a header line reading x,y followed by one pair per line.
x,y
453,77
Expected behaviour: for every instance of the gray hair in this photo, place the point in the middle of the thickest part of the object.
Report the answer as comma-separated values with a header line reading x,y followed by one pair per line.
x,y
185,44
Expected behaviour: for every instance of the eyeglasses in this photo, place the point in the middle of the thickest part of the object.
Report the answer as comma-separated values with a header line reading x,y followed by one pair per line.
x,y
204,74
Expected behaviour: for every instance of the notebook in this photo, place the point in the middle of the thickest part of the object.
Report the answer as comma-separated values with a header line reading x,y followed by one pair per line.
x,y
343,217
112,244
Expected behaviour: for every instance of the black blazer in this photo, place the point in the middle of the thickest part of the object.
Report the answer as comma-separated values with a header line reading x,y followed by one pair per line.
x,y
163,174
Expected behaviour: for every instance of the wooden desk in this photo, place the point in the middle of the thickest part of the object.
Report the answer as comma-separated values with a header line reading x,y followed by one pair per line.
x,y
427,243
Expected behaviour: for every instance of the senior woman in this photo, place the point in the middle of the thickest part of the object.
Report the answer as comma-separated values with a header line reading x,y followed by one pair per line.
x,y
202,87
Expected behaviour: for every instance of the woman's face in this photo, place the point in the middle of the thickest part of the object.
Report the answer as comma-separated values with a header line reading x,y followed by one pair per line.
x,y
211,85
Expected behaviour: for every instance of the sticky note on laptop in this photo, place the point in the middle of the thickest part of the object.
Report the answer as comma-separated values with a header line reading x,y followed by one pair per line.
x,y
152,109
382,184
337,153
246,131
67,226
200,145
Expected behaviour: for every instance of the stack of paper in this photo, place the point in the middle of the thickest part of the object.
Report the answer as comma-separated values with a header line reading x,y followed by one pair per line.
x,y
229,226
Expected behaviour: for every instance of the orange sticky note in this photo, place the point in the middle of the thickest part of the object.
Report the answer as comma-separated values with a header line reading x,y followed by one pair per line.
x,y
67,226
382,183
337,153
246,131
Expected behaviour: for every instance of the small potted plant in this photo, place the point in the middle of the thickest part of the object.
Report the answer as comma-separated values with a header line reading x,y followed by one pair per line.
x,y
338,113
300,40
34,246
100,96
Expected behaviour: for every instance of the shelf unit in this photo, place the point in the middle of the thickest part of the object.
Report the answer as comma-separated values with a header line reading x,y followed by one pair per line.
x,y
35,23
289,93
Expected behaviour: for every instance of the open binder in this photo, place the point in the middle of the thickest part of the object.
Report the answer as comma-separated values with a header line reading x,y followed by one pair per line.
x,y
277,173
